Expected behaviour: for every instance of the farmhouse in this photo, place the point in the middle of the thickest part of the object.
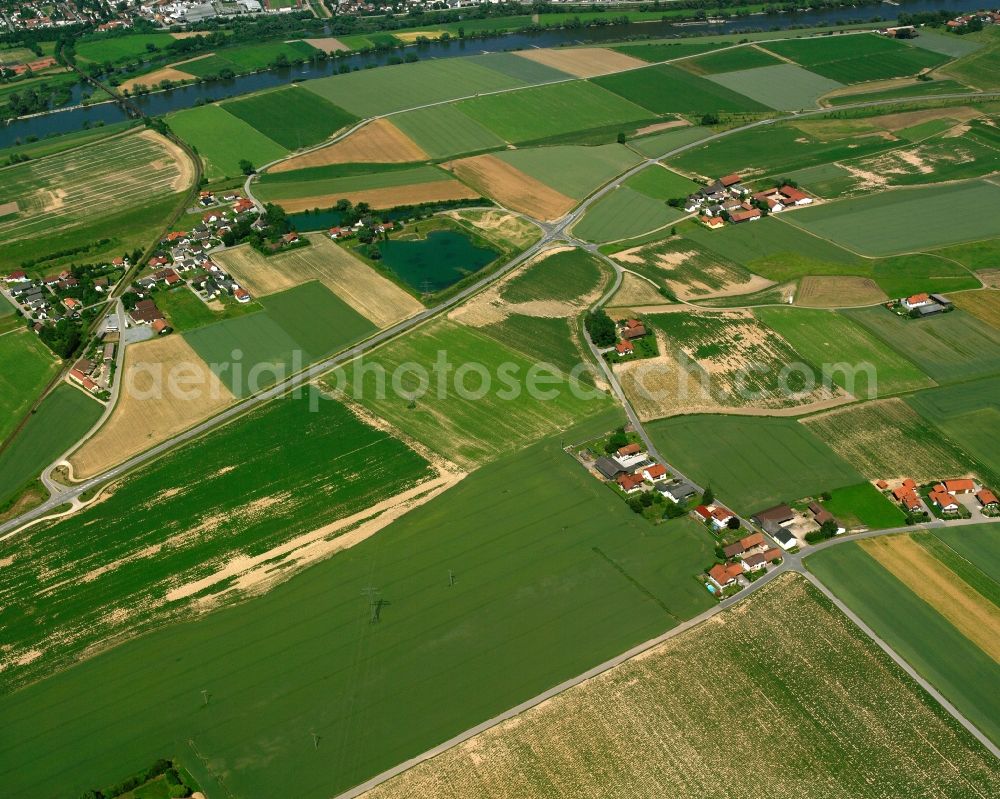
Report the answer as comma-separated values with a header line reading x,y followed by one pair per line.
x,y
717,515
677,491
242,295
917,301
624,348
630,456
160,327
712,222
145,312
963,486
784,538
654,473
17,276
987,499
724,575
759,560
745,215
629,483
632,329
906,495
821,516
945,501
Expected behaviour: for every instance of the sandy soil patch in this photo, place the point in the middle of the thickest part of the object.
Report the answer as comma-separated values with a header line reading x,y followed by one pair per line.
x,y
655,128
970,612
8,208
489,307
153,79
413,194
327,44
583,62
185,169
695,290
838,292
186,34
365,290
636,290
248,576
148,410
989,277
511,187
500,224
377,142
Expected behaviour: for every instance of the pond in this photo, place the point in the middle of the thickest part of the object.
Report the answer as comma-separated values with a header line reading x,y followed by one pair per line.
x,y
436,262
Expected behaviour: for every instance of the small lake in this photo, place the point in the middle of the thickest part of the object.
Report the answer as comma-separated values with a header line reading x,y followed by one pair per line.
x,y
436,262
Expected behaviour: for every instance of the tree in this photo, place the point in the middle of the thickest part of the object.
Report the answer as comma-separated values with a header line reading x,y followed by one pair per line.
x,y
600,328
710,119
708,497
621,137
616,441
733,523
246,167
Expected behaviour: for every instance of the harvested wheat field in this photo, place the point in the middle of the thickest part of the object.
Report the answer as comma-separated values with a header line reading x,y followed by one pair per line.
x,y
838,292
152,406
673,721
583,62
984,305
387,197
972,614
511,187
153,79
377,142
365,290
886,440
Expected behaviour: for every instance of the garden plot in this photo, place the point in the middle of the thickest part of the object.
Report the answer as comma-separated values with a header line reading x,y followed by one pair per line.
x,y
166,388
80,185
584,62
380,141
888,440
745,363
595,739
356,283
690,271
511,187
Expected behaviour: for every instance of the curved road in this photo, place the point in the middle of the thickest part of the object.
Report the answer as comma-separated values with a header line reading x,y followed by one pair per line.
x,y
551,233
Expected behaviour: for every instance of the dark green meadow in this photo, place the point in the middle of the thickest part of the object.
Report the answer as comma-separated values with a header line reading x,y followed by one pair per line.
x,y
666,88
551,577
271,112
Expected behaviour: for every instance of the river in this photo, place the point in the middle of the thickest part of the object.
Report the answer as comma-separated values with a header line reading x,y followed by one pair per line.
x,y
159,103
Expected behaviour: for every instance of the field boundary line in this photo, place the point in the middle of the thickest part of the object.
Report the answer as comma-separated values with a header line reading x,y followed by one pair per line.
x,y
898,659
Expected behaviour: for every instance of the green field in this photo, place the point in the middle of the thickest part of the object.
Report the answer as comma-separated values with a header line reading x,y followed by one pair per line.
x,y
872,225
773,150
546,339
785,87
856,58
622,214
187,311
564,276
550,599
442,131
661,184
656,144
903,92
26,366
944,43
667,51
863,505
979,69
573,170
733,60
752,463
969,557
828,340
903,275
313,182
481,422
949,347
918,632
666,89
297,458
969,415
370,92
63,417
119,48
248,57
546,111
983,551
523,69
207,66
270,112
223,140
297,327
66,141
